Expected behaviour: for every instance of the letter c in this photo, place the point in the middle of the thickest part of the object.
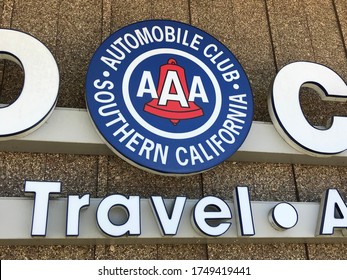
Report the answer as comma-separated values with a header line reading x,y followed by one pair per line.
x,y
288,118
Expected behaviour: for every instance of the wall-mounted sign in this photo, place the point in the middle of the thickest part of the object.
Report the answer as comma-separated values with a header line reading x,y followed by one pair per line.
x,y
169,97
80,219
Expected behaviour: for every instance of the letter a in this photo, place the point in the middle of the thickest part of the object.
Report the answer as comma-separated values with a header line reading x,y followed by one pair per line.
x,y
197,90
147,79
172,79
333,213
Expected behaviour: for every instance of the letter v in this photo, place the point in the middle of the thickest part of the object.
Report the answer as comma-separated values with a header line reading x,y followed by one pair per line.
x,y
168,225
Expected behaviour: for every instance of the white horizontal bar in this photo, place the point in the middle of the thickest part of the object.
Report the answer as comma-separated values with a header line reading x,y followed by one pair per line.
x,y
71,131
66,131
16,222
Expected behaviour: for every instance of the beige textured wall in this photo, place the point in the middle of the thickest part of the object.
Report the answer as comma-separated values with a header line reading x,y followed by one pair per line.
x,y
265,35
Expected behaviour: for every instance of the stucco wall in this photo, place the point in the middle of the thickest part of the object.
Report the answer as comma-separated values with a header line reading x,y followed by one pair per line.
x,y
264,36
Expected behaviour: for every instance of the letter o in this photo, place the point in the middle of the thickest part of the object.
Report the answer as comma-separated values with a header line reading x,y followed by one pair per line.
x,y
41,84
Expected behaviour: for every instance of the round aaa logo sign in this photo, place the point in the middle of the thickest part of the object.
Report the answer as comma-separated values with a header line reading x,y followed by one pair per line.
x,y
169,97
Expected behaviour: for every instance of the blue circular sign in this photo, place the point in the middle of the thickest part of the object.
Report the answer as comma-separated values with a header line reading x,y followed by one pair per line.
x,y
168,97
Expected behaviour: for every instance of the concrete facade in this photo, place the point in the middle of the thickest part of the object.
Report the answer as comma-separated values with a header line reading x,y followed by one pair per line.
x,y
264,35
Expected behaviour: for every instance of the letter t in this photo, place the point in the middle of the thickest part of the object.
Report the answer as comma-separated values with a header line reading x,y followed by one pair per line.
x,y
41,201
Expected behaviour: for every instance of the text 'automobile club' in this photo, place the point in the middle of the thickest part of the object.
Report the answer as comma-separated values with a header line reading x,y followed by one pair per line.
x,y
169,97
